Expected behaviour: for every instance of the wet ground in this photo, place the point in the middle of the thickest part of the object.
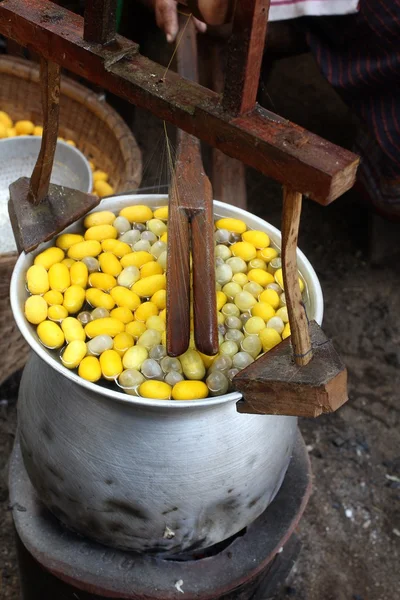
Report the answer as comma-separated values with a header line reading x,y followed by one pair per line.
x,y
351,529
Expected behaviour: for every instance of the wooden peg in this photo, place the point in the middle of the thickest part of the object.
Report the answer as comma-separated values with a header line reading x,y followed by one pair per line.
x,y
302,376
302,351
50,80
178,269
38,209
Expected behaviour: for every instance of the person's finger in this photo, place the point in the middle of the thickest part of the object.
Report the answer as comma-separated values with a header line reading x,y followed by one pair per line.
x,y
212,12
167,18
200,26
216,12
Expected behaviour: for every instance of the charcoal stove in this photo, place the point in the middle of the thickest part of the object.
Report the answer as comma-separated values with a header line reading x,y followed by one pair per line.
x,y
56,564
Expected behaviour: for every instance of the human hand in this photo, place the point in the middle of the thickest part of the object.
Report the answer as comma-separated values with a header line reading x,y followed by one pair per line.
x,y
212,12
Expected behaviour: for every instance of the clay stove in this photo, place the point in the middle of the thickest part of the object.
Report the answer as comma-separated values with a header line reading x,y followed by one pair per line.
x,y
56,564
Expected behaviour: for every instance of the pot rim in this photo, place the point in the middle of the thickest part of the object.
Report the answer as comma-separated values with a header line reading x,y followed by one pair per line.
x,y
111,203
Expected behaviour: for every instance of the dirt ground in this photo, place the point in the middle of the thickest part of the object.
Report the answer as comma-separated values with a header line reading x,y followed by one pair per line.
x,y
351,529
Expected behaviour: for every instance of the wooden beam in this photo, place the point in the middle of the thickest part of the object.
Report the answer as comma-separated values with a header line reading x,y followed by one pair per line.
x,y
244,56
262,140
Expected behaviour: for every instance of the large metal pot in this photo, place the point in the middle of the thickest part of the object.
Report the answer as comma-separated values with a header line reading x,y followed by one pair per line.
x,y
142,474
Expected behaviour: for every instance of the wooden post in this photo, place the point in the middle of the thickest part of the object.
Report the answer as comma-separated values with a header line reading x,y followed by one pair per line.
x,y
100,21
50,77
300,336
245,52
228,174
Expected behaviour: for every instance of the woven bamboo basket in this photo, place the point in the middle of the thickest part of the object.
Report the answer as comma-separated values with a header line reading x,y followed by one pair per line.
x,y
98,131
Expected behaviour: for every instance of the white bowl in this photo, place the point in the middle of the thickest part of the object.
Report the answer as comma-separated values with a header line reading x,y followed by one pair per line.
x,y
18,157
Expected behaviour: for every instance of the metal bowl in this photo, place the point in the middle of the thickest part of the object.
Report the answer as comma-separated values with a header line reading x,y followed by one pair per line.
x,y
18,157
19,293
143,474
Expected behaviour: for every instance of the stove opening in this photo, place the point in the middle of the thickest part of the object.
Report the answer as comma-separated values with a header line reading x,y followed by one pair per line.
x,y
205,552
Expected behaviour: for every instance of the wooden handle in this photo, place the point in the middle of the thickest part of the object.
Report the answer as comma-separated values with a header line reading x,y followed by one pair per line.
x,y
205,306
50,77
300,336
178,275
190,204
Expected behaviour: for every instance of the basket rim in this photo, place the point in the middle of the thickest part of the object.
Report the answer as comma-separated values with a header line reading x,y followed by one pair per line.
x,y
22,68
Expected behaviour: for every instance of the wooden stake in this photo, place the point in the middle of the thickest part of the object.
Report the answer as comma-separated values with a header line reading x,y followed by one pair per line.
x,y
190,205
50,77
302,351
39,209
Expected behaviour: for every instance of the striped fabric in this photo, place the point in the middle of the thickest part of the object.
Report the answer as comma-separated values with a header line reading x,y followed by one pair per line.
x,y
281,10
360,57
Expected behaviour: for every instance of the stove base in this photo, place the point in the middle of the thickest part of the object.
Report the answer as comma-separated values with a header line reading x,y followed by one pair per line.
x,y
39,584
56,564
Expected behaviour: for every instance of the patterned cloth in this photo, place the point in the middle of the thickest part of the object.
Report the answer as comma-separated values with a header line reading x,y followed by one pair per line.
x,y
281,10
360,57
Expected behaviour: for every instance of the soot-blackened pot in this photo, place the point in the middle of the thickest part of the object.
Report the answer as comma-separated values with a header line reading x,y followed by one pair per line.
x,y
142,474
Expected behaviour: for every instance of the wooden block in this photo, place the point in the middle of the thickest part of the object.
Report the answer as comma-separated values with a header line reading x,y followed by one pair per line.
x,y
33,225
275,385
